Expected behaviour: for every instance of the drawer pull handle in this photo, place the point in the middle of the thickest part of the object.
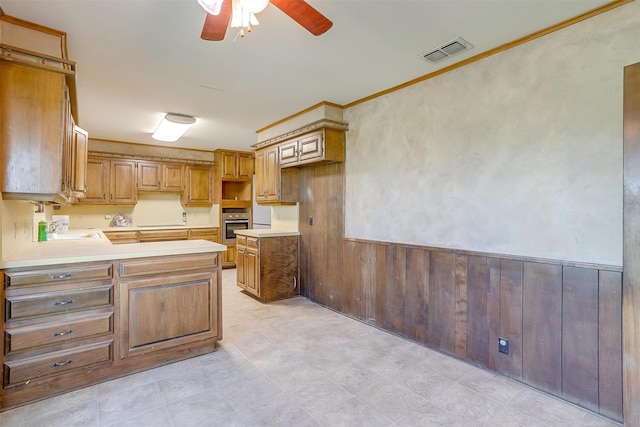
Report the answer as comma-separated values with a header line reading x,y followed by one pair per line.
x,y
62,276
61,334
58,303
59,364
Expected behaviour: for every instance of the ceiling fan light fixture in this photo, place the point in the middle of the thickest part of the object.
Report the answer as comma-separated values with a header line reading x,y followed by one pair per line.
x,y
242,17
172,127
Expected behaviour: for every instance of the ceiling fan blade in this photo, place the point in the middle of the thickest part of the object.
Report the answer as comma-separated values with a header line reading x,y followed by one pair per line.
x,y
215,26
304,14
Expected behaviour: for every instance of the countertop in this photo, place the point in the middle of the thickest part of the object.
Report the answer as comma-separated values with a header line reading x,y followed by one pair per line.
x,y
156,227
73,251
266,233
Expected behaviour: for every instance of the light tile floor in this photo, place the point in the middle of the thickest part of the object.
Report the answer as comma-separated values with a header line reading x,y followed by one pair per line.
x,y
294,363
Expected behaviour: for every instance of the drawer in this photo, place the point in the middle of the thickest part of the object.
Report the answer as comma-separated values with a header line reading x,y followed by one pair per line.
x,y
162,235
24,338
14,278
241,240
252,242
22,371
204,233
118,237
141,266
25,306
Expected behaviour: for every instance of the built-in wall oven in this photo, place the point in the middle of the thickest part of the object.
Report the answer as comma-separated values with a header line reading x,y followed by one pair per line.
x,y
234,219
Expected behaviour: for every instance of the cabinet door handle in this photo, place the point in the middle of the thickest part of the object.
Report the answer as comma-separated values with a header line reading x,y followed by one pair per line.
x,y
295,282
59,303
61,276
59,364
61,334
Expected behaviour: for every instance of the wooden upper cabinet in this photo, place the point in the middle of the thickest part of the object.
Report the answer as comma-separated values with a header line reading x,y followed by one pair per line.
x,y
110,181
274,186
79,150
149,176
97,177
327,145
173,178
122,182
234,165
32,113
155,176
198,186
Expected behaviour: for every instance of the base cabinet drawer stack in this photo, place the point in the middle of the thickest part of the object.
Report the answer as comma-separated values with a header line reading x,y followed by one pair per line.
x,y
69,326
267,267
57,321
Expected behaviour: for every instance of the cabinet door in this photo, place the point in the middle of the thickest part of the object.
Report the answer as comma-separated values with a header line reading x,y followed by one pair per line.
x,y
311,147
165,311
79,162
32,108
172,178
149,176
245,166
289,152
97,181
228,165
123,182
198,187
252,269
272,174
229,257
241,268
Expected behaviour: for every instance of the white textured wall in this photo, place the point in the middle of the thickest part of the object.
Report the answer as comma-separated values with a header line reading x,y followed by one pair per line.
x,y
520,153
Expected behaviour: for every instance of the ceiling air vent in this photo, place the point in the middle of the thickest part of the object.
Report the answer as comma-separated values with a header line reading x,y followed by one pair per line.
x,y
446,50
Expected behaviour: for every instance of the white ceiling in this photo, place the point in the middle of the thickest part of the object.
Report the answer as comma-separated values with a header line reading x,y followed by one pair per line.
x,y
137,59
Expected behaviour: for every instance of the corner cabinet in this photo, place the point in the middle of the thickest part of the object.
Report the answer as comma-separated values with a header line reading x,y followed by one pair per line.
x,y
267,267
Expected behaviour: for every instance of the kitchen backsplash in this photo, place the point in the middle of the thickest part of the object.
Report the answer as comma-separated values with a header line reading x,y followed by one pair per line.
x,y
151,209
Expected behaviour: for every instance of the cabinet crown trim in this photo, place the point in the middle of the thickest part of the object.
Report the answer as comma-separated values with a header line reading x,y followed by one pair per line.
x,y
317,125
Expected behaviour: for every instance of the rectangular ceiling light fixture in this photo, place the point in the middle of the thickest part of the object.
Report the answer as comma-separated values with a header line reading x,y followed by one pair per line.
x,y
446,50
172,127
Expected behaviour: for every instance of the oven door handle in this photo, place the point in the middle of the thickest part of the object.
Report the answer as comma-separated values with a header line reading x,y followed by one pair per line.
x,y
238,221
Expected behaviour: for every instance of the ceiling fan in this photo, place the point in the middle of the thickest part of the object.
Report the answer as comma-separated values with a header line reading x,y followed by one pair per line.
x,y
241,13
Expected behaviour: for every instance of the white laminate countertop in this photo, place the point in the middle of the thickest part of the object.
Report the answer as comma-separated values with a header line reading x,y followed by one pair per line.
x,y
266,233
156,227
73,251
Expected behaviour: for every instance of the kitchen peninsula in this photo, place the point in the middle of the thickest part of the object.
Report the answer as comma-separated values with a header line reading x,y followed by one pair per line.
x,y
80,310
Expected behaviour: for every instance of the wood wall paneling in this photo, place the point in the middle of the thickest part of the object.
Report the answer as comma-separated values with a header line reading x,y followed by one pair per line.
x,y
416,295
460,322
631,243
542,326
477,312
610,344
510,314
563,321
442,291
580,336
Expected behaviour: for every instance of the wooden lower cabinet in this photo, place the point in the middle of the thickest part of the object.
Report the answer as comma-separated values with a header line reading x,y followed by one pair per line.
x,y
267,267
229,257
69,326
